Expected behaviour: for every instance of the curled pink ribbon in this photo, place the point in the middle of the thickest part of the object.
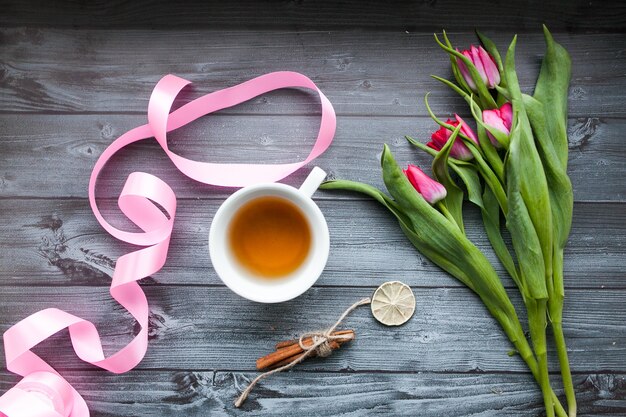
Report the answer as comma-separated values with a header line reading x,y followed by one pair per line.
x,y
43,392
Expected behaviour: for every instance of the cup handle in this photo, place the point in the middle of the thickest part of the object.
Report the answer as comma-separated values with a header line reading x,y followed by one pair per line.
x,y
313,181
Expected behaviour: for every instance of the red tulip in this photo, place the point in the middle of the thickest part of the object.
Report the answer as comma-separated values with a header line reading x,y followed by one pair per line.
x,y
431,190
485,65
499,119
459,150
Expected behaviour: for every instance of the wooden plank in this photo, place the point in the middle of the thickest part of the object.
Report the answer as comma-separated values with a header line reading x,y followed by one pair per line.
x,y
362,73
66,148
200,393
212,328
578,16
59,242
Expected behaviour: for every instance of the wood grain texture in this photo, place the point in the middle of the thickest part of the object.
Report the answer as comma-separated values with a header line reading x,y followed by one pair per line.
x,y
201,393
58,242
76,75
212,328
66,148
362,73
423,15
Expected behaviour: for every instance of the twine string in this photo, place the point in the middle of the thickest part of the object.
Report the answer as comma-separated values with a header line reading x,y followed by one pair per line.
x,y
320,346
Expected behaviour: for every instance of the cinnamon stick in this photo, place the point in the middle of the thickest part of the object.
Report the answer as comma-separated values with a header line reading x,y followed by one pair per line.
x,y
308,340
334,345
277,356
286,361
289,349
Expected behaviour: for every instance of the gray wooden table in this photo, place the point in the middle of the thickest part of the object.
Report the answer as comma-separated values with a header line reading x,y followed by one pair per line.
x,y
74,77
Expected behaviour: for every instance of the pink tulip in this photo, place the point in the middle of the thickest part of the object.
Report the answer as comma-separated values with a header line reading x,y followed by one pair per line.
x,y
485,65
431,190
459,150
499,119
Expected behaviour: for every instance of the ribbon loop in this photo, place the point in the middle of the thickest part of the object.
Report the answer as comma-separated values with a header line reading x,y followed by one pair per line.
x,y
149,203
40,394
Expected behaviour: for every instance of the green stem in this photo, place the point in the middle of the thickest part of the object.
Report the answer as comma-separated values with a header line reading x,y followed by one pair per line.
x,y
537,321
566,374
433,153
556,313
444,210
558,408
525,351
490,178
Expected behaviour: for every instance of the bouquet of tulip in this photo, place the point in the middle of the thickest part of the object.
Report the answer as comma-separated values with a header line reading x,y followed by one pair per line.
x,y
514,168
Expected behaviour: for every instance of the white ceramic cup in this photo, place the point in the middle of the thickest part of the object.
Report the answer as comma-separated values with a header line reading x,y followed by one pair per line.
x,y
241,280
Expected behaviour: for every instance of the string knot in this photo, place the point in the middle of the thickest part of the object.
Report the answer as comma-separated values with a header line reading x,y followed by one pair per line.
x,y
323,350
322,343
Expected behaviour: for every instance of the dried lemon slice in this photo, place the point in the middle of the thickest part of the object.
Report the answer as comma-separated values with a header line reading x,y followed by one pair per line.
x,y
393,303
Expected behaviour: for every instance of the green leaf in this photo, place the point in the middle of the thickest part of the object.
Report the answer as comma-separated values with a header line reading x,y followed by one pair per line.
x,y
483,92
455,66
406,225
454,87
465,170
366,189
470,178
491,48
509,74
550,98
455,252
422,146
552,91
490,152
502,138
437,257
526,177
491,179
454,198
436,238
526,241
491,220
548,117
503,94
559,184
448,126
434,152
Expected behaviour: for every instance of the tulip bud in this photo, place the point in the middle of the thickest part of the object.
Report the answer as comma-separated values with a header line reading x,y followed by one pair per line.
x,y
466,130
459,150
499,119
431,190
485,65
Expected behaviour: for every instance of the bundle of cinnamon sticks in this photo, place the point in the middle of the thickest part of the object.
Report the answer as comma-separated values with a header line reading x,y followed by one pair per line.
x,y
290,350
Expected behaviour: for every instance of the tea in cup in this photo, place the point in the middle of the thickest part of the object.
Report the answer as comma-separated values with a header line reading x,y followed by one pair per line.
x,y
270,242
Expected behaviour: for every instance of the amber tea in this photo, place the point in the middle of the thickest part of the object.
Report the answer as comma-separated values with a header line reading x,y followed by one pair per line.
x,y
270,236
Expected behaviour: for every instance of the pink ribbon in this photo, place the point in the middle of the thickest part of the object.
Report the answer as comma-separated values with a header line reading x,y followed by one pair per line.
x,y
43,392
